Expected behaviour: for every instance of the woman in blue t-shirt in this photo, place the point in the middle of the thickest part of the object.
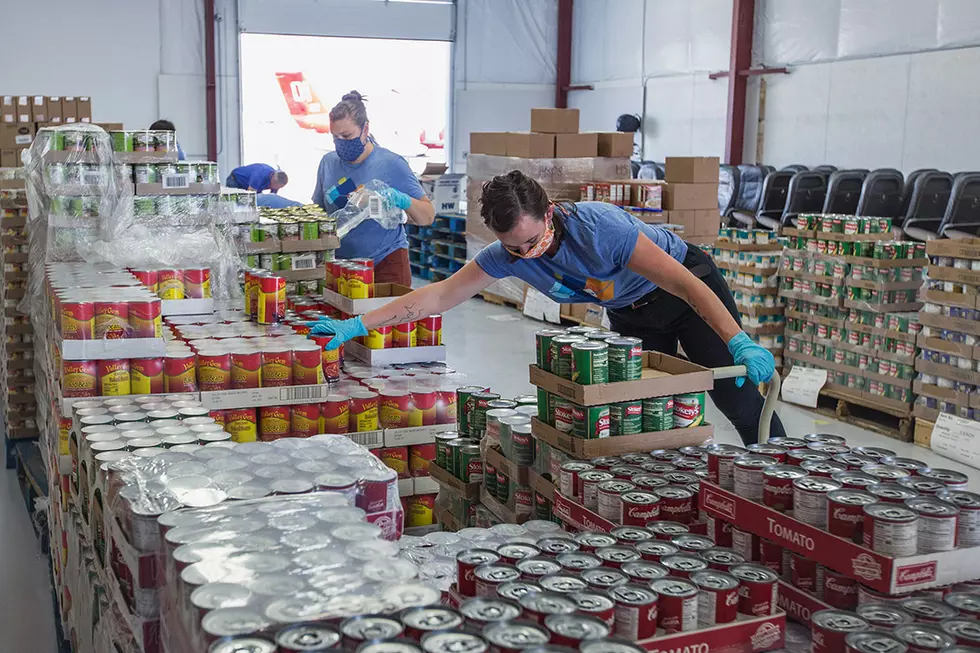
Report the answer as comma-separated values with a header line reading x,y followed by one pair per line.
x,y
655,286
356,160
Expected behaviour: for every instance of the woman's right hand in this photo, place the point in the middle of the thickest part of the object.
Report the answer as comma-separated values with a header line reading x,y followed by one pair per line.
x,y
342,330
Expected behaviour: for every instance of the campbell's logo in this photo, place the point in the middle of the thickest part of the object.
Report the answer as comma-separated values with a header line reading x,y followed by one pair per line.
x,y
866,567
731,599
779,490
691,648
841,514
640,513
838,588
766,637
719,503
915,574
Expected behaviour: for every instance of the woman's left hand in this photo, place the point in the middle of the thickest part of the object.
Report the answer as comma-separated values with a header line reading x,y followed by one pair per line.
x,y
757,360
397,199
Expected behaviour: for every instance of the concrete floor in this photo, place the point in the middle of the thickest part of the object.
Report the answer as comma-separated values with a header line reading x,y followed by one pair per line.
x,y
490,344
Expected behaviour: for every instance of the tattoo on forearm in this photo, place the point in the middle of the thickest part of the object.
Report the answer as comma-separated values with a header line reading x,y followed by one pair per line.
x,y
409,313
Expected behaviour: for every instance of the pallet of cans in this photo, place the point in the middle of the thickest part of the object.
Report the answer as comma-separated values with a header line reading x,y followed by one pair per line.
x,y
601,394
873,521
300,229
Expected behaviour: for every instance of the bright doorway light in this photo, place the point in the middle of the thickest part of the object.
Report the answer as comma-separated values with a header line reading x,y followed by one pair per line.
x,y
290,83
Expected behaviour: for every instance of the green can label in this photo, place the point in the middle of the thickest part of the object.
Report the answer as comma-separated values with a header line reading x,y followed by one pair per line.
x,y
590,422
625,359
658,414
546,412
542,349
590,362
561,355
469,468
688,410
490,478
522,444
505,487
563,414
626,418
542,507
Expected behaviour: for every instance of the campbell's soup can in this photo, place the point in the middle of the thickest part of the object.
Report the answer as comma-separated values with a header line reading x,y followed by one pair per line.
x,y
758,589
845,512
721,464
748,473
891,529
806,574
677,608
968,524
938,521
636,611
923,638
717,597
810,499
830,629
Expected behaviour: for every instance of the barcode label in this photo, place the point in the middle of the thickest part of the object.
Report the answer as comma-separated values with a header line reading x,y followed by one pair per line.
x,y
176,181
303,392
374,207
368,440
304,262
92,178
23,139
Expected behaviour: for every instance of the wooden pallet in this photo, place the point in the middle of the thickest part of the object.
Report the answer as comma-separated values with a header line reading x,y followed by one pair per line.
x,y
501,301
860,412
923,432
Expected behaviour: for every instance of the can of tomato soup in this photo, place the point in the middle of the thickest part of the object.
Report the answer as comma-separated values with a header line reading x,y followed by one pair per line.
x,y
831,627
721,464
636,611
758,589
938,521
891,529
810,499
677,609
968,525
845,512
748,474
717,597
777,486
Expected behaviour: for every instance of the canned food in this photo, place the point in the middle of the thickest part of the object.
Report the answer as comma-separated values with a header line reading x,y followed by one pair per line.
x,y
883,616
922,638
480,611
540,605
676,503
604,578
937,523
968,525
657,414
636,611
688,410
890,529
831,627
721,464
590,362
677,604
609,499
515,636
718,598
873,642
810,499
845,512
625,357
748,473
488,577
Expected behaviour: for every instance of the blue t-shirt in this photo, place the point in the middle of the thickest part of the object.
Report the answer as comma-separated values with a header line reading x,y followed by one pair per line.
x,y
591,262
273,201
336,179
255,175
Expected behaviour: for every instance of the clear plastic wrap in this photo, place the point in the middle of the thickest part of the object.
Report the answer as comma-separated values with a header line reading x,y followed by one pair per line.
x,y
369,202
549,172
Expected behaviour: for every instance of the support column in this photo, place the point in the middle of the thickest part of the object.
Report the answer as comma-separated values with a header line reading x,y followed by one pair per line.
x,y
743,22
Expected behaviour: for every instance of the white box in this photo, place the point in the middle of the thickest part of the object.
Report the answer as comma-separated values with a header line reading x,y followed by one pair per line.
x,y
445,192
395,356
406,487
426,485
186,307
388,292
414,435
368,439
283,396
104,349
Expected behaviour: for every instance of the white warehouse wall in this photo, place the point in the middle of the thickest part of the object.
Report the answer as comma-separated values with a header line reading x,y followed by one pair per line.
x,y
139,60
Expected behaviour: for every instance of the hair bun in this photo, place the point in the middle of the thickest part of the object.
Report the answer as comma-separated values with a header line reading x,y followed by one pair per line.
x,y
353,96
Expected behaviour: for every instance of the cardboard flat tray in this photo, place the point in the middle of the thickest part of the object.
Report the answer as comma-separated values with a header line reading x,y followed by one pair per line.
x,y
186,307
112,349
797,604
877,571
384,293
190,189
952,323
502,512
273,245
541,485
965,248
574,514
447,480
516,473
751,247
662,375
257,397
584,449
394,356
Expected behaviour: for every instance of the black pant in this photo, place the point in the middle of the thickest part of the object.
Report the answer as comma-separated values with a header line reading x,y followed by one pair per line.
x,y
667,319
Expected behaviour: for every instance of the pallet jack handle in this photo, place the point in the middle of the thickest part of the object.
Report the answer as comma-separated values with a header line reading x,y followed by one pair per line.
x,y
772,394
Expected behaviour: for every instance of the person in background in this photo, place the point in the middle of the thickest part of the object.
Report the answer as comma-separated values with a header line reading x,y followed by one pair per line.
x,y
356,160
167,126
655,286
274,201
258,177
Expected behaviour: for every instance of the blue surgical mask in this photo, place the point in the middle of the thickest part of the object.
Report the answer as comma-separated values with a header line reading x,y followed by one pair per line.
x,y
348,149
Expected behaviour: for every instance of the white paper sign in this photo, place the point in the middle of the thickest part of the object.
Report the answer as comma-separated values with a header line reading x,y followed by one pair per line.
x,y
541,307
803,385
957,438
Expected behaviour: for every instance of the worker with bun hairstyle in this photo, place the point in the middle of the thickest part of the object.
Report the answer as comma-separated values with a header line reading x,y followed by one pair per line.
x,y
655,286
356,160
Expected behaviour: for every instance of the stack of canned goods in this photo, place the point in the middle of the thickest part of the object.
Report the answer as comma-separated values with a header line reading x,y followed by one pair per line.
x,y
895,506
308,222
746,236
142,140
177,174
947,625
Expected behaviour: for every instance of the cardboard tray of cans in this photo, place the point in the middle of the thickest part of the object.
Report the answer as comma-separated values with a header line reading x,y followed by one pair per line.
x,y
190,189
958,248
875,570
662,375
799,605
580,518
257,397
447,480
960,324
383,293
504,513
583,448
395,355
403,437
274,245
516,473
541,485
109,349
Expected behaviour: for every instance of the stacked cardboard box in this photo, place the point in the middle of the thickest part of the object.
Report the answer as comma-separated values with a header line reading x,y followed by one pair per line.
x,y
852,309
949,365
16,346
690,197
22,115
555,154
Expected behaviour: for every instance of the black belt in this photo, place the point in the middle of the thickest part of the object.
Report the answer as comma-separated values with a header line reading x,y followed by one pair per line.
x,y
701,270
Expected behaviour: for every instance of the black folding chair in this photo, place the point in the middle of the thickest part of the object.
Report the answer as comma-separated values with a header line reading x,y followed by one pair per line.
x,y
748,195
844,191
728,180
930,196
882,193
962,217
826,168
807,193
910,184
795,167
773,201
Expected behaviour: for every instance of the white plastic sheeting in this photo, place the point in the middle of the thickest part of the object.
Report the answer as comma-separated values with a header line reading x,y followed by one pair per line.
x,y
804,31
686,36
393,19
685,116
598,109
607,41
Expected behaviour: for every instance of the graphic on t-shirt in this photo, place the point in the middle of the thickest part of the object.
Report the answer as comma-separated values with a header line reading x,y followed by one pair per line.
x,y
568,287
337,194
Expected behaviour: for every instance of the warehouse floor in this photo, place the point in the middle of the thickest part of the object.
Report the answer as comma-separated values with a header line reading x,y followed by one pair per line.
x,y
490,344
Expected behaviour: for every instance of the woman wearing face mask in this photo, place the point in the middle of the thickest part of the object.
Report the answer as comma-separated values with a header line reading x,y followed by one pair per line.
x,y
356,160
655,286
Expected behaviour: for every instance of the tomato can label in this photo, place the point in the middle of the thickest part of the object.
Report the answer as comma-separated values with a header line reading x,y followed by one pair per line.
x,y
197,283
170,284
145,319
428,331
213,371
246,369
308,365
77,320
335,414
403,335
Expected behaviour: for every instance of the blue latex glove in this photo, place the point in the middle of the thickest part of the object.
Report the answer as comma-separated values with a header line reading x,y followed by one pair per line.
x,y
343,330
397,199
757,359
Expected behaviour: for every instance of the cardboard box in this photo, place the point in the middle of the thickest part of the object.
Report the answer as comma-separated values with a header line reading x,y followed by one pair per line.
x,y
531,145
489,143
9,158
504,513
444,478
84,109
615,144
513,471
554,121
394,356
680,197
24,110
692,169
16,136
572,146
584,449
701,222
923,432
957,248
39,109
53,109
445,191
589,314
69,109
662,375
880,572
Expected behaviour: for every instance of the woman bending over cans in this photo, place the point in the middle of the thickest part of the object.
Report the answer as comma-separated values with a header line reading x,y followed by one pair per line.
x,y
654,285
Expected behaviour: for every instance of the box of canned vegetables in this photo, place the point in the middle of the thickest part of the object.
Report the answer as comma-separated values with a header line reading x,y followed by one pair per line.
x,y
593,367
